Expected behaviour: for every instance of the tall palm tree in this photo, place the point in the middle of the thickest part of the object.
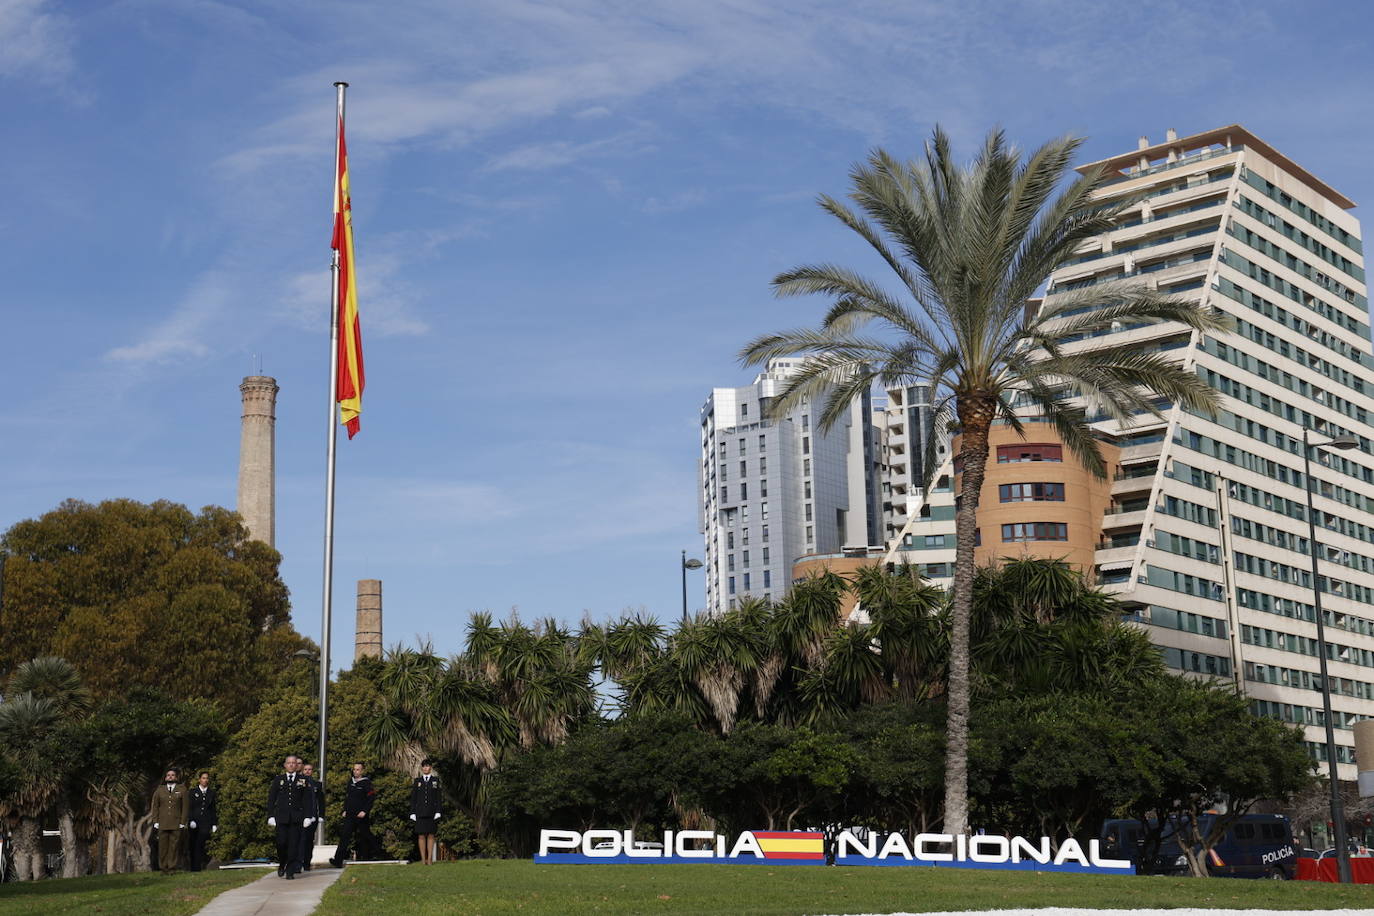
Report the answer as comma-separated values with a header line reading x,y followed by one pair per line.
x,y
969,246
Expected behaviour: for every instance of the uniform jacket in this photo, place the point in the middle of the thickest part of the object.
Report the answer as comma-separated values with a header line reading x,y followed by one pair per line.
x,y
358,796
169,809
204,807
426,799
318,788
290,801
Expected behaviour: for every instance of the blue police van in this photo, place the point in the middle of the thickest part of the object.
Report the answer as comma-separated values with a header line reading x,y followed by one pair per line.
x,y
1254,846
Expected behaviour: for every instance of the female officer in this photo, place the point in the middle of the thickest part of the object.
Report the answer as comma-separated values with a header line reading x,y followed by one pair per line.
x,y
425,809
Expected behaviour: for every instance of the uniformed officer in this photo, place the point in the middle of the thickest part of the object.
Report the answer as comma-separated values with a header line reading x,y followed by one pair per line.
x,y
169,808
290,809
204,819
357,815
426,803
308,836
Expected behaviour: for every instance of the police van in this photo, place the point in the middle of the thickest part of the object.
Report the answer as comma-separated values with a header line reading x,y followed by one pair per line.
x,y
1254,846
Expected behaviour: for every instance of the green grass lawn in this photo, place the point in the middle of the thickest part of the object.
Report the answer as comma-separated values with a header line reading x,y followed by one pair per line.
x,y
121,895
513,886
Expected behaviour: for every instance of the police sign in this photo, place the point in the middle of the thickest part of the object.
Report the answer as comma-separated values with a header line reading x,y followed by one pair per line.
x,y
766,847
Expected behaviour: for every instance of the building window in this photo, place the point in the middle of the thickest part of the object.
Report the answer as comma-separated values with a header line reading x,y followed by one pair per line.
x,y
1015,454
1031,492
763,511
1035,531
810,534
807,494
767,579
935,540
722,450
745,558
730,540
732,585
765,556
806,467
730,562
763,464
744,536
808,512
724,494
741,446
765,534
744,410
806,445
763,488
806,421
743,491
762,440
744,512
936,571
746,582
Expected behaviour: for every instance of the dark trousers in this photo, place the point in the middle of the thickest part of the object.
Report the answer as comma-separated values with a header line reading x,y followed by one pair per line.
x,y
199,837
366,845
307,846
289,847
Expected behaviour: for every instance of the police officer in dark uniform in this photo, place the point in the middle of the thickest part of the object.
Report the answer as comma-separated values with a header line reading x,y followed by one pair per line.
x,y
357,815
308,836
290,809
426,803
204,819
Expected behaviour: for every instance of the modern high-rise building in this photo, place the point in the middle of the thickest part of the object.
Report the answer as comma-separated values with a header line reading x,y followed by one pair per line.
x,y
1202,529
773,490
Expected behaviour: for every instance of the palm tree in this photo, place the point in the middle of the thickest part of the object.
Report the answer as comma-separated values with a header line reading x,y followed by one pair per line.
x,y
970,246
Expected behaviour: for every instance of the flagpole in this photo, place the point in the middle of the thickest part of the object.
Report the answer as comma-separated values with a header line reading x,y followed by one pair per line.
x,y
326,627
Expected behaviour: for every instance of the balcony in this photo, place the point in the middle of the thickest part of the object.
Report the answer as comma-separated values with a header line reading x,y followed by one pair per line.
x,y
1123,484
1145,451
1106,556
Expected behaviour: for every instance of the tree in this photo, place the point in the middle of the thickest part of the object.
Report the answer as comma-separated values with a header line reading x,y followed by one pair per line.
x,y
289,724
43,695
1207,751
149,595
969,247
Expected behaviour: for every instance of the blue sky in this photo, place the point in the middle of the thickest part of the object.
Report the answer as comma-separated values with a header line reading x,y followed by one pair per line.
x,y
567,215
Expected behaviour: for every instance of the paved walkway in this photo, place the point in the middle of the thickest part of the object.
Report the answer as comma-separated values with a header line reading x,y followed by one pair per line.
x,y
273,896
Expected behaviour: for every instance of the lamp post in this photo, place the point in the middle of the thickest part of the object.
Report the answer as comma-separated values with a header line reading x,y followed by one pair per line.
x,y
687,564
314,660
1344,441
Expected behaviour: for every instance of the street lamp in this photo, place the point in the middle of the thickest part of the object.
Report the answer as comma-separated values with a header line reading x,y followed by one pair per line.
x,y
686,565
314,660
1344,441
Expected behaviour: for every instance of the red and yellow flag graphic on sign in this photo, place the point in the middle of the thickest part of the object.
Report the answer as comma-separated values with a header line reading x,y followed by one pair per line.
x,y
348,386
791,844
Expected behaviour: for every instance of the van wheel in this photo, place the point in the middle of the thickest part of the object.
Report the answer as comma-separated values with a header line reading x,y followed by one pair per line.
x,y
1278,874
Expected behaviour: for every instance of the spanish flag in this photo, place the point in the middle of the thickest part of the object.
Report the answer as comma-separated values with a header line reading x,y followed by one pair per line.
x,y
348,386
791,844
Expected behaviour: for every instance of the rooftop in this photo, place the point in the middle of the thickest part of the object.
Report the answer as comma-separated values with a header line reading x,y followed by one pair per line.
x,y
1232,135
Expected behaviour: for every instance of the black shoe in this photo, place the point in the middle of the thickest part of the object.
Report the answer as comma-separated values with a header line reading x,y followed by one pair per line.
x,y
305,867
335,863
290,877
281,871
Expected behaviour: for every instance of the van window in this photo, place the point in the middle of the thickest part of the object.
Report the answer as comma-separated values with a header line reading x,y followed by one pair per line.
x,y
1245,833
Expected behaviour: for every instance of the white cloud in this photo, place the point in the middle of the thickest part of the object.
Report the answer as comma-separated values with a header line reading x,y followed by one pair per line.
x,y
36,44
182,334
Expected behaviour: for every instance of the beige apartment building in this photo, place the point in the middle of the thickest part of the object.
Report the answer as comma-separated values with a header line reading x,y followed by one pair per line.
x,y
1202,525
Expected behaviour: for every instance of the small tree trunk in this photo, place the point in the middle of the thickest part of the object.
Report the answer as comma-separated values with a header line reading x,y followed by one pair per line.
x,y
28,856
975,416
74,851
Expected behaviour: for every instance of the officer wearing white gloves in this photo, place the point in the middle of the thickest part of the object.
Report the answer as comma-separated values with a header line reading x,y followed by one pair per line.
x,y
290,809
426,807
